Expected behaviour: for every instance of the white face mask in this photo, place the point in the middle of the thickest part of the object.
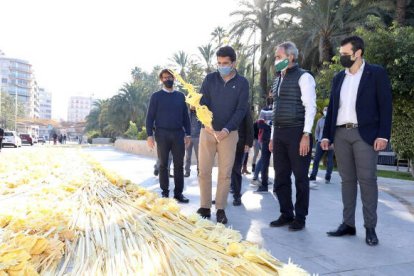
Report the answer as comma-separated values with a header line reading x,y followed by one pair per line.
x,y
324,113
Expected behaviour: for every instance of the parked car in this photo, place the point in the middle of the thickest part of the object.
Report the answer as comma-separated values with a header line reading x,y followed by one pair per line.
x,y
26,138
41,139
34,139
11,138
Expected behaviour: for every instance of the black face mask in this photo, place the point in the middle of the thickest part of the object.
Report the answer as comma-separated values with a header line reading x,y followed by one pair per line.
x,y
346,61
168,83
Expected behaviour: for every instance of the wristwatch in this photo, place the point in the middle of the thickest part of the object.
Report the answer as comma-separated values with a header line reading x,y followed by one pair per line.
x,y
306,134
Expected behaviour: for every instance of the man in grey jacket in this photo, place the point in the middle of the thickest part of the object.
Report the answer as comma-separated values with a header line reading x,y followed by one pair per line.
x,y
319,152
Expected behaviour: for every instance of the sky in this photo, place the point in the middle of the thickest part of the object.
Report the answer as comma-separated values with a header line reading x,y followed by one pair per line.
x,y
88,47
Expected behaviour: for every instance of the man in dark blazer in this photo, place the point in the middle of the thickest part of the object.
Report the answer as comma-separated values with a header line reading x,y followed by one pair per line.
x,y
358,122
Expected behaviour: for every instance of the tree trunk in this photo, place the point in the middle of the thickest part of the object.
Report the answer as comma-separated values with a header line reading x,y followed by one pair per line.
x,y
400,11
263,68
325,49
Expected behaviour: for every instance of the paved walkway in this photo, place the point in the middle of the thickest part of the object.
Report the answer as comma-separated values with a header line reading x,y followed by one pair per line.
x,y
311,248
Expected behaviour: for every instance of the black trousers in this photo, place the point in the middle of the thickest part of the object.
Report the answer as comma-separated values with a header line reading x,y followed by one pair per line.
x,y
265,157
171,141
1,142
236,176
286,160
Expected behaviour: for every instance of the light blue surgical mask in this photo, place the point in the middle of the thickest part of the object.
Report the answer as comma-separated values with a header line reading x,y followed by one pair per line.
x,y
224,70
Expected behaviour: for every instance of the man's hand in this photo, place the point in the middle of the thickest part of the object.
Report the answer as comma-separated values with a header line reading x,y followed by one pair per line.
x,y
271,146
380,144
304,145
325,144
221,135
187,141
150,142
246,148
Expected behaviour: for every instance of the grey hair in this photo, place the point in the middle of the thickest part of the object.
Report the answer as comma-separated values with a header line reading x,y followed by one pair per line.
x,y
290,49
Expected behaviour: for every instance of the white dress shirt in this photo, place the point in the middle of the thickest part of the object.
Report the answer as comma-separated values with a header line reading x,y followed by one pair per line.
x,y
347,100
307,87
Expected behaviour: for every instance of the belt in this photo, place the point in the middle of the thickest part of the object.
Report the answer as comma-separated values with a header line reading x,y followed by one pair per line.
x,y
348,125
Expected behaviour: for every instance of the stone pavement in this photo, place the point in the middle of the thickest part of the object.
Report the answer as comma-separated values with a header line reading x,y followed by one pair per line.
x,y
311,248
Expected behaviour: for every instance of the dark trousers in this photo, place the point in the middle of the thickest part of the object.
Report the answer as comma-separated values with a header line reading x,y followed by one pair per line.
x,y
318,156
286,160
236,176
265,159
171,141
1,143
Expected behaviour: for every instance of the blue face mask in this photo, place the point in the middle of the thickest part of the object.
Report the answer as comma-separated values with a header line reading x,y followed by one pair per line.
x,y
224,70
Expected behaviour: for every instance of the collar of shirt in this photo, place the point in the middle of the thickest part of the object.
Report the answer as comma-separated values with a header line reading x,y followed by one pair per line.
x,y
165,90
360,70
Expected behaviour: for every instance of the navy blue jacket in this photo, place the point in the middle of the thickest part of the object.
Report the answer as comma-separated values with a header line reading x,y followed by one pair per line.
x,y
373,105
228,101
167,111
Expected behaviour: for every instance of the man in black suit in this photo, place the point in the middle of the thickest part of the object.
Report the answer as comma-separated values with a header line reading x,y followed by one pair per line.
x,y
359,123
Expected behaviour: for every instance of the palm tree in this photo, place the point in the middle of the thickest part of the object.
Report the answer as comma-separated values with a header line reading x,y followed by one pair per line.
x,y
181,60
136,73
322,23
218,35
258,16
207,52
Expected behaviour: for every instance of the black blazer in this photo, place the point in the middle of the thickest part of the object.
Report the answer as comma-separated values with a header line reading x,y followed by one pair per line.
x,y
373,105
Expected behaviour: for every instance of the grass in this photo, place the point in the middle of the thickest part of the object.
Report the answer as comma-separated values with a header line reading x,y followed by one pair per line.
x,y
386,174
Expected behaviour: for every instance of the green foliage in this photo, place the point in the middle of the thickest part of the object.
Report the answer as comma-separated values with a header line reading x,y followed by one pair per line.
x,y
7,110
142,135
325,77
92,134
132,132
393,48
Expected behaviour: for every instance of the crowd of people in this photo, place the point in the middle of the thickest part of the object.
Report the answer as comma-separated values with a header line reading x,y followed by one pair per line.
x,y
355,126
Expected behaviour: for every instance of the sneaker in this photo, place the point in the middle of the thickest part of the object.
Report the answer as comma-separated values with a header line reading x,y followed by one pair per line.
x,y
312,178
237,202
281,221
187,174
313,186
261,189
255,182
327,181
171,175
204,212
221,216
296,225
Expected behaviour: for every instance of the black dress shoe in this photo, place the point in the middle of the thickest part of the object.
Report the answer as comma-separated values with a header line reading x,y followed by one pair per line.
x,y
297,225
221,216
371,237
156,172
342,230
261,189
204,212
312,178
181,199
187,174
281,221
237,202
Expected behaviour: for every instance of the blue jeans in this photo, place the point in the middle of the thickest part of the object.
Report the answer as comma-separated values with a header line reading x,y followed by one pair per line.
x,y
263,165
318,156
